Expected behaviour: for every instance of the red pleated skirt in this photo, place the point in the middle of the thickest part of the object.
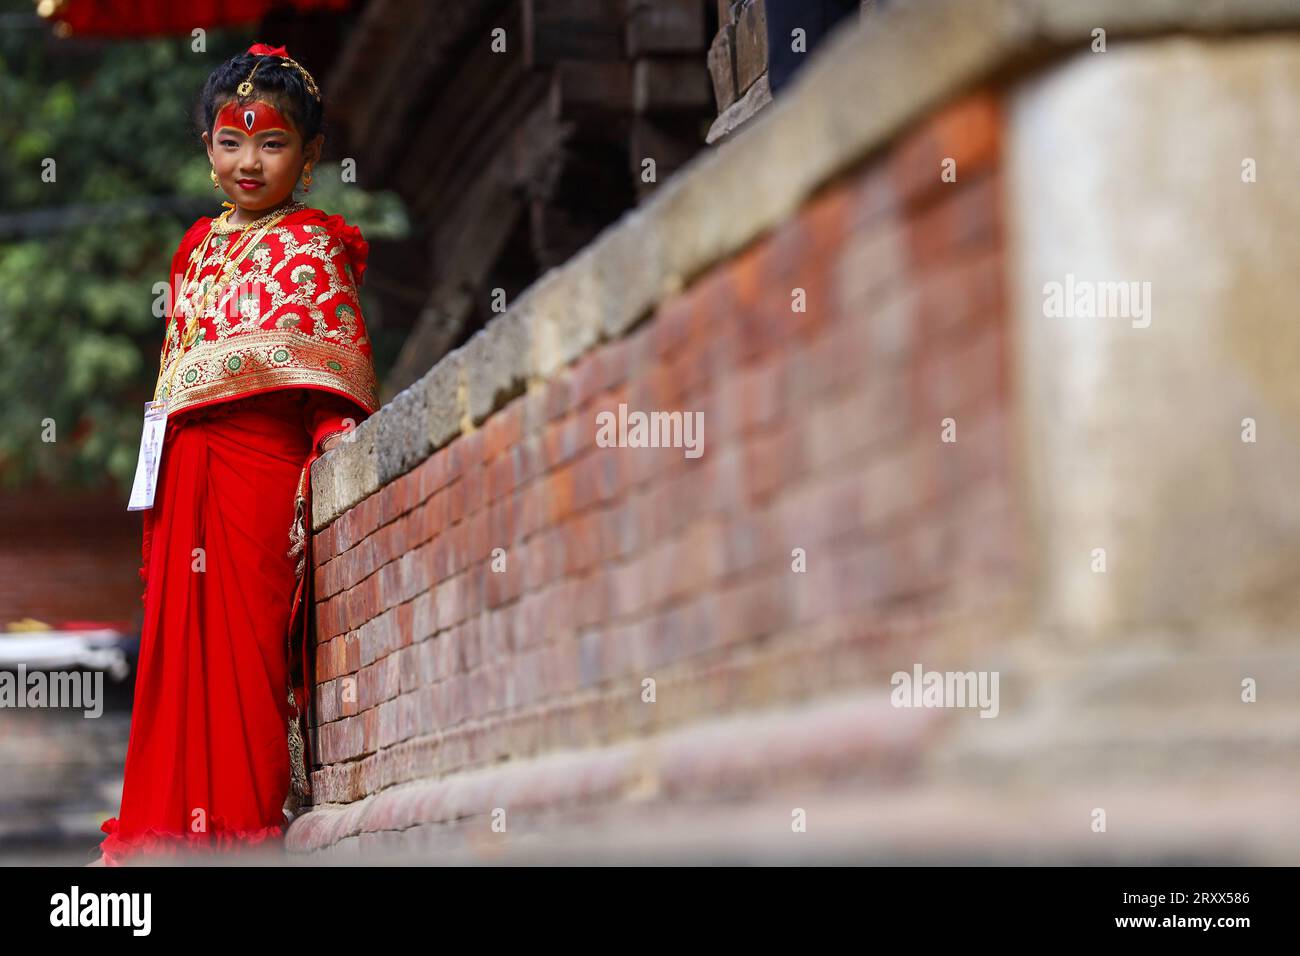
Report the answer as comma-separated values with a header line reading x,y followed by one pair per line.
x,y
207,765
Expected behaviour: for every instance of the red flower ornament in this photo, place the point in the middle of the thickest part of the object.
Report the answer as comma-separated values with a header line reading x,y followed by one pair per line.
x,y
358,250
261,49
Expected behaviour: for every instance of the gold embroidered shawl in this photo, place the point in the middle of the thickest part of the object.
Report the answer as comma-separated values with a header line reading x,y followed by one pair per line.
x,y
288,315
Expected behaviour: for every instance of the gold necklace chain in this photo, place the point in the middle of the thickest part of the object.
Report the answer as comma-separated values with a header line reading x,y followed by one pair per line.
x,y
223,270
196,259
224,227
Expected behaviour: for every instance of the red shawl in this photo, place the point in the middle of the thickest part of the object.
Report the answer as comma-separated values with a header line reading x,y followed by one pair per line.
x,y
287,316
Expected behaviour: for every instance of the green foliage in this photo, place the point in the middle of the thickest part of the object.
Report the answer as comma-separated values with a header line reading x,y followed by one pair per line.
x,y
80,331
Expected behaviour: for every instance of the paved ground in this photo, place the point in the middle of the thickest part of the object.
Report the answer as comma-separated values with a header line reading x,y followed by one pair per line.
x,y
60,776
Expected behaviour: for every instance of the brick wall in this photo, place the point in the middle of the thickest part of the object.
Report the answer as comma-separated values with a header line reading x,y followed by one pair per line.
x,y
76,558
822,432
498,595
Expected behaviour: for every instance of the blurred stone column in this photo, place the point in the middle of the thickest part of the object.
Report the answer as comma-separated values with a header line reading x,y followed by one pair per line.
x,y
1172,163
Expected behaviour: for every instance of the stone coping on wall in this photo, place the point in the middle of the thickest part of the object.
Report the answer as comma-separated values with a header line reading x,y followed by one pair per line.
x,y
861,89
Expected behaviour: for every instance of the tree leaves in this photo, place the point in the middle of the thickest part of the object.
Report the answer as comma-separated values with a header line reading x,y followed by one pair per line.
x,y
79,256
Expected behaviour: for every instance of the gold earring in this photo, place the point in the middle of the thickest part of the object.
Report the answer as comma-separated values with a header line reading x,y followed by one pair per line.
x,y
306,178
212,174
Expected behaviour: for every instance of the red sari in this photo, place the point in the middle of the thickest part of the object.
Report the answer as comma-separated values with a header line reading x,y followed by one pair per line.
x,y
282,364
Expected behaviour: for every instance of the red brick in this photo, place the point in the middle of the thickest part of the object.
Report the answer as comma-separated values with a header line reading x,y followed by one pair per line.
x,y
565,439
502,586
759,396
876,196
532,410
502,430
620,533
458,548
967,217
671,326
630,591
960,294
648,392
322,545
749,539
386,544
984,438
455,501
390,589
866,574
675,568
677,500
559,494
594,598
584,483
502,518
431,474
970,131
559,399
449,603
405,623
391,501
967,131
479,543
368,730
953,377
770,459
616,362
474,482
900,482
826,217
500,477
734,286
532,511
586,378
753,608
343,530
365,558
686,373
369,510
471,449
526,461
352,570
844,426
581,536
430,518
326,666
325,582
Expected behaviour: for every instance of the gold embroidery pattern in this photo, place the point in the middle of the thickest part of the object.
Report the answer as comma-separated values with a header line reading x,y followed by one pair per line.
x,y
289,316
295,276
300,781
269,358
300,777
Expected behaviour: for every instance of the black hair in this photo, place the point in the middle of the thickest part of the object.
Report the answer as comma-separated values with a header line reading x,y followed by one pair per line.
x,y
275,81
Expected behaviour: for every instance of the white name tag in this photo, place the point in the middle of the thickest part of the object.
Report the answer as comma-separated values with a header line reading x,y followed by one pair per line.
x,y
151,446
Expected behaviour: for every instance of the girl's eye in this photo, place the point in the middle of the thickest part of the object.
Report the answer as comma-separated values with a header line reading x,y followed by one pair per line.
x,y
273,143
228,142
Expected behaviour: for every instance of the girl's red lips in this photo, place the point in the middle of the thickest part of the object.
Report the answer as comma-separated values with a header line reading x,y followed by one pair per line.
x,y
248,183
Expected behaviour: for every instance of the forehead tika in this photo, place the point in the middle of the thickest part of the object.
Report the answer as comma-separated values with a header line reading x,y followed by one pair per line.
x,y
252,118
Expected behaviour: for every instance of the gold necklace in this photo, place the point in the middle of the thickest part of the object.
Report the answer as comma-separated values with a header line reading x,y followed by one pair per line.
x,y
223,227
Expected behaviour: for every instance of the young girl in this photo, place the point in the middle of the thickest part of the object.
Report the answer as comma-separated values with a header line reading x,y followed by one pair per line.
x,y
266,364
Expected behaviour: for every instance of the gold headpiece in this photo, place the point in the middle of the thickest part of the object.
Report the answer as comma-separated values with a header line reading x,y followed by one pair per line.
x,y
261,49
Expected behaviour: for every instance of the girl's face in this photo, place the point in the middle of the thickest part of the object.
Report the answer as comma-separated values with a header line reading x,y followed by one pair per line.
x,y
257,153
